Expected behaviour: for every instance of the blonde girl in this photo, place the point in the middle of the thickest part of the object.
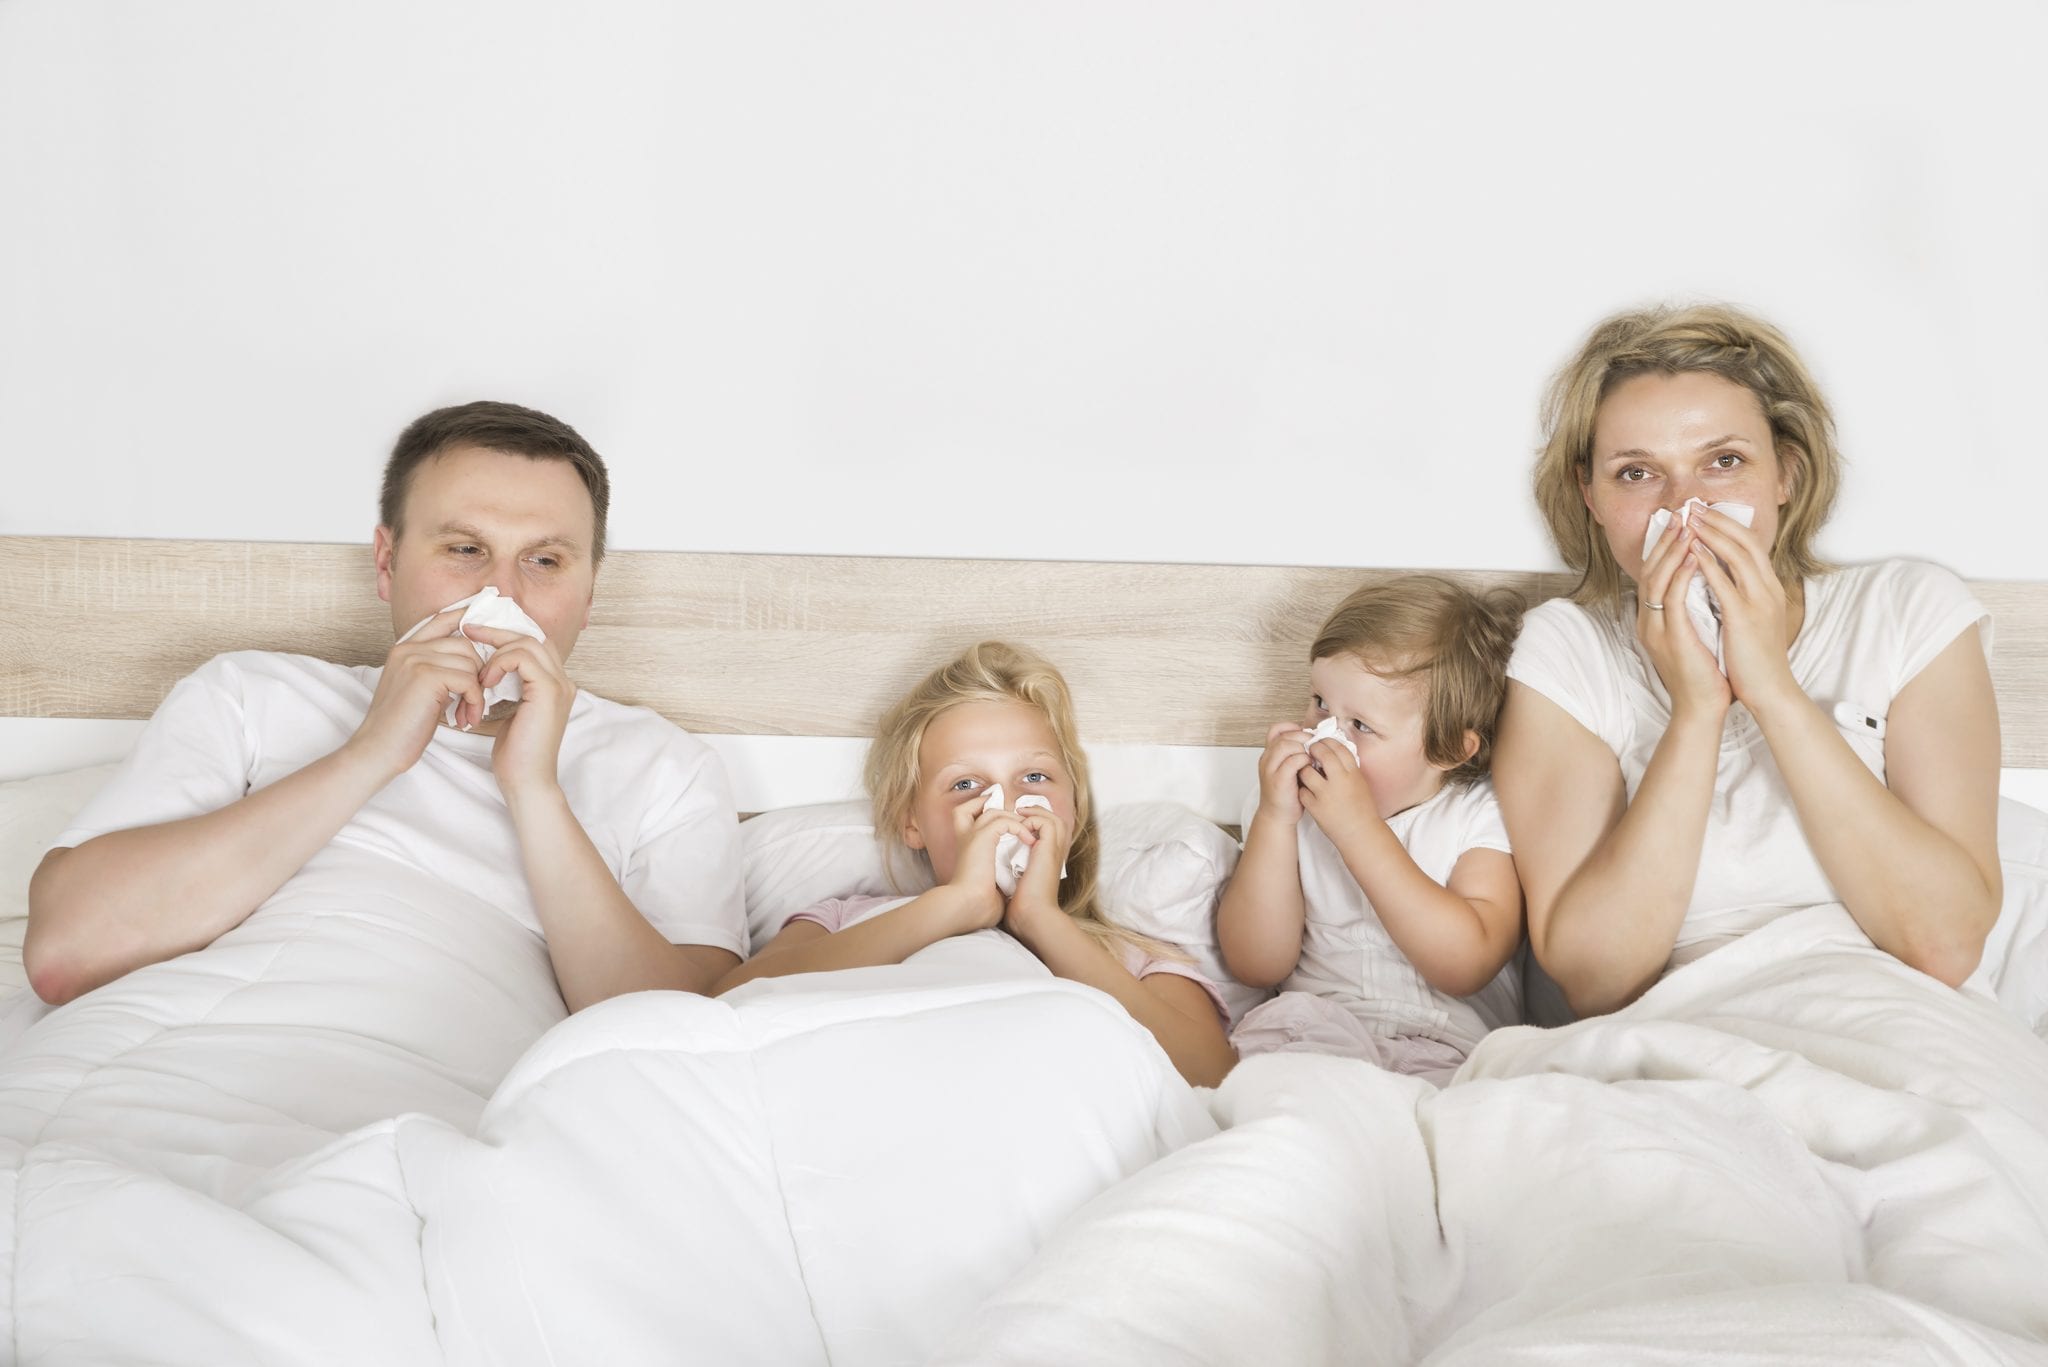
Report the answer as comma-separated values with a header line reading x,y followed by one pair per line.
x,y
998,715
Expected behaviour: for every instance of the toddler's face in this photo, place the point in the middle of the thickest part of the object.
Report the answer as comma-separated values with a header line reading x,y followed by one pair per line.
x,y
965,749
1384,718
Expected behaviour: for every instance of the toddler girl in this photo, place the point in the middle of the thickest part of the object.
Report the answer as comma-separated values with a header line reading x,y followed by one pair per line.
x,y
1376,886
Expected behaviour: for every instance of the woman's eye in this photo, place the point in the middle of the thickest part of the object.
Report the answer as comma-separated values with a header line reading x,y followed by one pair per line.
x,y
1727,460
1629,475
964,785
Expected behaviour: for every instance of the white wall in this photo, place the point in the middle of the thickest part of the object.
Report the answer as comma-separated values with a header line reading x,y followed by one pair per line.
x,y
1204,281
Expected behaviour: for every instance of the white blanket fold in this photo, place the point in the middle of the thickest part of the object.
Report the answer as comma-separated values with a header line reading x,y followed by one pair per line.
x,y
1795,1140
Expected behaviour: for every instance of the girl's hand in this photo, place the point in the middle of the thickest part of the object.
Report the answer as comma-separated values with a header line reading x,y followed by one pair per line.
x,y
974,863
1755,620
1280,774
1340,797
1038,889
1679,656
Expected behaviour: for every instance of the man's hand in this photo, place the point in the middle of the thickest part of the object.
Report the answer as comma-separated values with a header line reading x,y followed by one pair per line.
x,y
525,755
421,676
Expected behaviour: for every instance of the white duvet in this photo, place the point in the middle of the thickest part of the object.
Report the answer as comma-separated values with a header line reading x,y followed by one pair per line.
x,y
1794,1150
367,1136
353,1137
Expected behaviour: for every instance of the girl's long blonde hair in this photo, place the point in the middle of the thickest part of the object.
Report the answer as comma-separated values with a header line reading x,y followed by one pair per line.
x,y
993,671
1716,339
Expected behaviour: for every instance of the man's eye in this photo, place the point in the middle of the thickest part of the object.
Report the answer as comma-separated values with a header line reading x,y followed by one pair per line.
x,y
546,562
467,550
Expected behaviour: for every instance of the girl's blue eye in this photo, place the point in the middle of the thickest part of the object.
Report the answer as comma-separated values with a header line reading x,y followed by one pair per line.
x,y
965,785
1038,776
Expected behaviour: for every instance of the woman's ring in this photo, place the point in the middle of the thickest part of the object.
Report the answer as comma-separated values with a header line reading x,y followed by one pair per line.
x,y
1654,607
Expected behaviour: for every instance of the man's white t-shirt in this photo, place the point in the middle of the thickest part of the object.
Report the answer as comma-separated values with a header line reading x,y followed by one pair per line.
x,y
1348,957
1868,630
652,798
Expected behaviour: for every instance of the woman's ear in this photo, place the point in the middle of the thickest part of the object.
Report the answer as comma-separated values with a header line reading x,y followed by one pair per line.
x,y
1791,460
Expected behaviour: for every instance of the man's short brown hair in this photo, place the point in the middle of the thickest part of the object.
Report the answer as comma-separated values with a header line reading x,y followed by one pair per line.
x,y
494,426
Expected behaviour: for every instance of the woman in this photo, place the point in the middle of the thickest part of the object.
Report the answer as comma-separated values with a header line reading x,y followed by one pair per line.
x,y
1660,806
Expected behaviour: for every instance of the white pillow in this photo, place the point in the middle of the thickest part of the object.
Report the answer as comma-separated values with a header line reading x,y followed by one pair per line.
x,y
33,812
798,857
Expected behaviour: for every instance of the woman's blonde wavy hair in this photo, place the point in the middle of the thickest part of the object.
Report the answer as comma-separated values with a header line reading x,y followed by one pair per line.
x,y
1714,339
994,671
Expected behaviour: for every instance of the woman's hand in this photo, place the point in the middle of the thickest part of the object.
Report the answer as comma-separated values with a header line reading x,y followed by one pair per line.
x,y
1755,617
974,863
1681,659
1038,889
1280,773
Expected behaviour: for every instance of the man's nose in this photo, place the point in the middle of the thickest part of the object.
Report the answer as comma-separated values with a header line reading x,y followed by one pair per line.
x,y
505,578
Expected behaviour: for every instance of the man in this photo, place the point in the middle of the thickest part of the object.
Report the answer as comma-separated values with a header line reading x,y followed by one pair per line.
x,y
601,827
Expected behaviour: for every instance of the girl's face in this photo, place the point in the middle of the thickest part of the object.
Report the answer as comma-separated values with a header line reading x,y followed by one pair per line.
x,y
1659,440
1384,718
967,748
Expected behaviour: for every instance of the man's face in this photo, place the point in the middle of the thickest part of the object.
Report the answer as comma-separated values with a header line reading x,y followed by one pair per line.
x,y
474,517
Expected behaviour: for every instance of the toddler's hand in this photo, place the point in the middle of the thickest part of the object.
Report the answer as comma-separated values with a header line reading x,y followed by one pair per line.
x,y
1280,773
1340,796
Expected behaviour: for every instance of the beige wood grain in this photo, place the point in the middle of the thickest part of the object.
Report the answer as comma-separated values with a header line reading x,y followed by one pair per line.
x,y
775,645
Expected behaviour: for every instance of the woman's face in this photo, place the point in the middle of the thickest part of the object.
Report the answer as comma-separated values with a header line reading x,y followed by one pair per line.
x,y
966,749
1659,440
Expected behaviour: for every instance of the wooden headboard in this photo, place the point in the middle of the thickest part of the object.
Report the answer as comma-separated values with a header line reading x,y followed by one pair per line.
x,y
775,645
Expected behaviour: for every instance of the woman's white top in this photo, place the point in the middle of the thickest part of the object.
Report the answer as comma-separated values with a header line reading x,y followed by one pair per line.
x,y
1869,629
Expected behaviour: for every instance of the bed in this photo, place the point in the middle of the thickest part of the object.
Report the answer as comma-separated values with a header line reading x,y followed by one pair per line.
x,y
300,1146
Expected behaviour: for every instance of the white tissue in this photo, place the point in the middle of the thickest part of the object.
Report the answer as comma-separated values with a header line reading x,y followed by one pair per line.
x,y
487,608
1700,603
1329,728
1013,856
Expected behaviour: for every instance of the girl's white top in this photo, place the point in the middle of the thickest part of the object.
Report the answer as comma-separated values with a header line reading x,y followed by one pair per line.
x,y
1347,955
1869,629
